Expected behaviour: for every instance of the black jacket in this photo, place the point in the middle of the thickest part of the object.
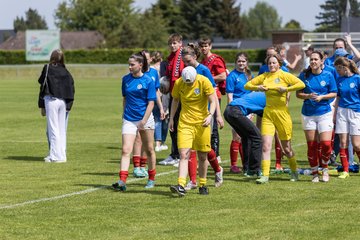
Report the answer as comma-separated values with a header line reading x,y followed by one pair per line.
x,y
59,84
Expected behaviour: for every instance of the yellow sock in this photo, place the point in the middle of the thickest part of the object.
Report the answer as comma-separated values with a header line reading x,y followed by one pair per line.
x,y
202,182
182,181
265,166
292,164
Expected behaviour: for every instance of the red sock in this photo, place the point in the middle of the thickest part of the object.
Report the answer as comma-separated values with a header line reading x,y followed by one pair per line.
x,y
234,149
325,147
152,174
136,161
318,155
344,159
213,161
192,166
123,175
278,152
143,161
312,155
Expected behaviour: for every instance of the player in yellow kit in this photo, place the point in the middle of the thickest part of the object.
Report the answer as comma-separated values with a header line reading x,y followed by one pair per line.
x,y
276,84
195,92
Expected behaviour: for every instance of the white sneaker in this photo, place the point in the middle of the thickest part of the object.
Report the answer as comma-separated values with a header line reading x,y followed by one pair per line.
x,y
47,159
163,147
158,149
315,178
168,161
219,178
58,161
190,185
218,159
325,175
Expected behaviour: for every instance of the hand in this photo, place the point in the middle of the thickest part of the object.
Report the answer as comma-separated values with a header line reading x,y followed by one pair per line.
x,y
298,57
207,121
318,98
262,88
348,38
171,125
141,124
43,112
162,114
220,121
313,96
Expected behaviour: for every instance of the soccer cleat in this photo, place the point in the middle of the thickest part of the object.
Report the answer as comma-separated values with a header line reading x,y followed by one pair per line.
x,y
178,189
218,159
47,159
157,148
262,180
119,186
203,190
315,178
253,173
294,176
219,177
144,171
325,175
343,175
190,185
235,169
150,184
169,161
138,173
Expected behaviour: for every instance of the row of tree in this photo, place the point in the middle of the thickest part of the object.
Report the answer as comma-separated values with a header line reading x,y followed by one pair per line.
x,y
124,26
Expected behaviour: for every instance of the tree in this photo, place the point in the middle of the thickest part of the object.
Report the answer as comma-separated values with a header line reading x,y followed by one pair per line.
x,y
116,20
32,21
229,22
170,13
333,12
293,24
261,20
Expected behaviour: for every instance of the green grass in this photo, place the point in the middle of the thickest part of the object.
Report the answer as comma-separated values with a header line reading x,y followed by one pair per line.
x,y
239,209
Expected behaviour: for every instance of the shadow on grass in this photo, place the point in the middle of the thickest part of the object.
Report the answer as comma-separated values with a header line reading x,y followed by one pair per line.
x,y
24,158
114,148
101,173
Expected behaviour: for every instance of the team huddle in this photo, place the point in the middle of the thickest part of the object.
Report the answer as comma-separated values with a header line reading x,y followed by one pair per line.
x,y
187,103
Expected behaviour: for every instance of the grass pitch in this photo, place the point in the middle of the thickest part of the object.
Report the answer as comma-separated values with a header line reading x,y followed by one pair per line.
x,y
74,201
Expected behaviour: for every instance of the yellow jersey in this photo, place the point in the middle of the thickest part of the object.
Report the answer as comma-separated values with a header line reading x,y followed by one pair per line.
x,y
193,98
273,81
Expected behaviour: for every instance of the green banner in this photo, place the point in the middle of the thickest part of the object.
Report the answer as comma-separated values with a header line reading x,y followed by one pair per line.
x,y
40,44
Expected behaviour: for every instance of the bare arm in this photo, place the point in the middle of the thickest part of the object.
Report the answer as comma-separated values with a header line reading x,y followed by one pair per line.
x,y
353,48
147,114
212,101
220,77
295,62
174,107
159,104
229,97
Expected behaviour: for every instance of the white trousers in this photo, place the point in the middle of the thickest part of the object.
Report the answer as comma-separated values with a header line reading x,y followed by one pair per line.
x,y
56,127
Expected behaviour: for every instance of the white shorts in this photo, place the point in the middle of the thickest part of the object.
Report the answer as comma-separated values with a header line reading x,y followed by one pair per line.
x,y
347,121
322,123
130,127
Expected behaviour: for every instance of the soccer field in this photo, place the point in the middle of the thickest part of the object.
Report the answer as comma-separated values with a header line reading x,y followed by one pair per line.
x,y
74,200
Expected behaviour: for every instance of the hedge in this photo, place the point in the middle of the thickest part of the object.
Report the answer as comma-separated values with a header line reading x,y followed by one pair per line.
x,y
117,56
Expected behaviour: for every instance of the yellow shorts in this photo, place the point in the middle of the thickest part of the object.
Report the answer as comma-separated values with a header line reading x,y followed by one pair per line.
x,y
194,136
277,119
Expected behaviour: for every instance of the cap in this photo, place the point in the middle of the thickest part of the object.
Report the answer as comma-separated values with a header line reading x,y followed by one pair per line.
x,y
188,74
340,52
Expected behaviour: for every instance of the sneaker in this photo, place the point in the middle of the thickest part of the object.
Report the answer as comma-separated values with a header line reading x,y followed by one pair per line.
x,y
315,178
178,189
235,169
219,177
325,175
169,161
119,186
254,173
176,164
262,180
163,147
333,160
144,171
218,159
157,148
294,176
47,159
203,190
150,184
279,167
138,173
190,185
343,175
58,161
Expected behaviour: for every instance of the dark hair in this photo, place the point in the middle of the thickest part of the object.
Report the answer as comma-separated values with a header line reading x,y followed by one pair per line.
x,y
339,40
345,62
141,58
156,56
247,70
175,37
191,49
57,57
308,70
278,58
205,40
